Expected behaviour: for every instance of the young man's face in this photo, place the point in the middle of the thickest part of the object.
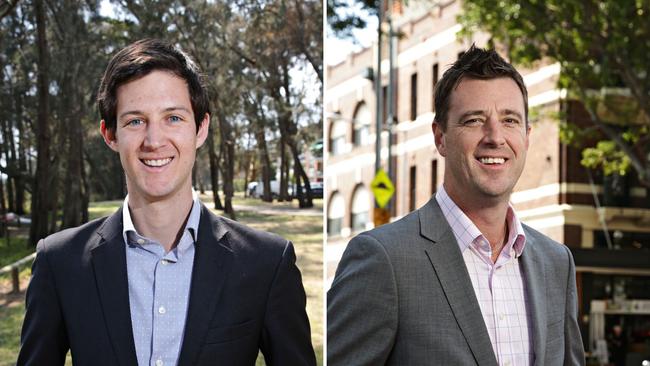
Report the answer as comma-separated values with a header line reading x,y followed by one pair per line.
x,y
156,135
486,140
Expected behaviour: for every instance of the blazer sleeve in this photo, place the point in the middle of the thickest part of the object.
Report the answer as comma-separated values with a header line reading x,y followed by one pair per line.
x,y
286,337
44,340
574,353
362,309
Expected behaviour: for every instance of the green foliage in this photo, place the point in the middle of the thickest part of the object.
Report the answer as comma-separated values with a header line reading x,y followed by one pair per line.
x,y
606,156
602,47
343,19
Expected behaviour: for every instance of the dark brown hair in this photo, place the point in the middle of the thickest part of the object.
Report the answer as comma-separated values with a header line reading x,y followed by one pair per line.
x,y
476,63
139,59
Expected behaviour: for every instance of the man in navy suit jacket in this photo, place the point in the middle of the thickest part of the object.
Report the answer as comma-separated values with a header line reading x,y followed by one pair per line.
x,y
162,281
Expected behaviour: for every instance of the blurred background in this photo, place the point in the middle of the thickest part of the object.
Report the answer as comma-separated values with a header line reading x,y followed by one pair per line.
x,y
262,163
587,179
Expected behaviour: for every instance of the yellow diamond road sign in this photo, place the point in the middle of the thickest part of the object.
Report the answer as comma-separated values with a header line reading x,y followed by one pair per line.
x,y
382,188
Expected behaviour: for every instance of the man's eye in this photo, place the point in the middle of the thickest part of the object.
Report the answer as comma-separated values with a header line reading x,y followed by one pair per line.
x,y
134,122
511,121
472,121
175,119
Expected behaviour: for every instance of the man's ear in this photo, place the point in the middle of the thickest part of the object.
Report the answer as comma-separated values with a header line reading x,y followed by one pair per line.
x,y
439,137
202,133
108,135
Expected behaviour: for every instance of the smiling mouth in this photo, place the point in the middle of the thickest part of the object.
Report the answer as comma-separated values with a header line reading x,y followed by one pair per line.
x,y
156,162
491,161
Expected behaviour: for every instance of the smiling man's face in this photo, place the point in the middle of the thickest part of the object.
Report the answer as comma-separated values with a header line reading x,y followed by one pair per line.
x,y
486,140
156,136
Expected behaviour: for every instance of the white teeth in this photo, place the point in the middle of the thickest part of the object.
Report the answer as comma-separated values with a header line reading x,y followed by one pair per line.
x,y
157,162
492,160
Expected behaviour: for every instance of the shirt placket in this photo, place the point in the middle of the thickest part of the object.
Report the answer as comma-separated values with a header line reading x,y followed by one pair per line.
x,y
163,308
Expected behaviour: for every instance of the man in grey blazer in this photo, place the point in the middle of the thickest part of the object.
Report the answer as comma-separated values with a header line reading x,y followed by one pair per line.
x,y
461,281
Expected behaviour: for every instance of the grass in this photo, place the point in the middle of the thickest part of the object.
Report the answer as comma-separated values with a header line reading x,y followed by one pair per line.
x,y
16,249
11,320
305,231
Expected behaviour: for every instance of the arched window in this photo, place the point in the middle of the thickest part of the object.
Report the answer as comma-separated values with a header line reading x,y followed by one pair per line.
x,y
337,137
335,213
361,124
360,208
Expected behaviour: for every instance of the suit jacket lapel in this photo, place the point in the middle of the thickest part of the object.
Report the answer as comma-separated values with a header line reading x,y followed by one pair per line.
x,y
535,280
448,263
108,255
212,262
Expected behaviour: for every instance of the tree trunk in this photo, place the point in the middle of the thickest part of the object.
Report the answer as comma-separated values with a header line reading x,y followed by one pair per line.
x,y
228,167
249,169
283,195
214,171
228,172
3,206
73,191
7,136
265,160
304,200
3,209
53,195
22,163
287,174
41,193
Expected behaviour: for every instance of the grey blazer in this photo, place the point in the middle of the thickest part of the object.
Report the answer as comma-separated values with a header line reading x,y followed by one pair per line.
x,y
402,296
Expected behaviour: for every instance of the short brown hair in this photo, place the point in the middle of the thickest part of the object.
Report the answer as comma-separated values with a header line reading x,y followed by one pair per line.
x,y
138,60
476,63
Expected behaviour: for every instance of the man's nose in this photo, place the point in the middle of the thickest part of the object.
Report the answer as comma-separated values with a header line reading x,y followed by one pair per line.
x,y
154,137
493,132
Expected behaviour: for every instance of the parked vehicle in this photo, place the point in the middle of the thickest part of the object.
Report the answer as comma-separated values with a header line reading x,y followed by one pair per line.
x,y
316,190
259,189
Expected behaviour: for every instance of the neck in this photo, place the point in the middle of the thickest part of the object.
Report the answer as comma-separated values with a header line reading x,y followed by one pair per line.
x,y
489,216
161,220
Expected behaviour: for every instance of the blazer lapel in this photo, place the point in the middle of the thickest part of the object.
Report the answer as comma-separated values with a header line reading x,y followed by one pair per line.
x,y
212,262
448,263
535,279
109,263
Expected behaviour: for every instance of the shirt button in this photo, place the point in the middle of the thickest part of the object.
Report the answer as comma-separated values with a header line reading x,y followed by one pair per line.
x,y
165,262
140,241
162,310
501,317
159,362
507,363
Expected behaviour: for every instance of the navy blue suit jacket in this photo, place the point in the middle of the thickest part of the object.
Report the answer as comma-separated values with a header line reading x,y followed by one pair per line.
x,y
246,295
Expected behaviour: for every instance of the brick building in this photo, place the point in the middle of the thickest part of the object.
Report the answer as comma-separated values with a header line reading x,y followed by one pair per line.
x,y
608,233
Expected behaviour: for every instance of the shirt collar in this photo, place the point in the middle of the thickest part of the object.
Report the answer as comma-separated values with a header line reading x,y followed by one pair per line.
x,y
192,224
466,232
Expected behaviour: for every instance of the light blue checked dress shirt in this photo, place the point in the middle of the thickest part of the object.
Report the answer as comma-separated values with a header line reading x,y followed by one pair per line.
x,y
159,288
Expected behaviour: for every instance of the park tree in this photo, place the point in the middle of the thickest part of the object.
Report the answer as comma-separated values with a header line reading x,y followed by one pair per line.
x,y
16,122
74,100
603,48
257,113
273,52
52,58
41,202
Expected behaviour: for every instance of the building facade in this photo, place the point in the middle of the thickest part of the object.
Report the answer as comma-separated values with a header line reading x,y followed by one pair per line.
x,y
607,230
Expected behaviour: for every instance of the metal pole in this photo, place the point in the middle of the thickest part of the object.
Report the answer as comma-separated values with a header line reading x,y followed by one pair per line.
x,y
378,97
380,215
391,96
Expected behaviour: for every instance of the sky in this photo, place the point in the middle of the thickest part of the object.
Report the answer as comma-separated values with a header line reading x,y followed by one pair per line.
x,y
336,49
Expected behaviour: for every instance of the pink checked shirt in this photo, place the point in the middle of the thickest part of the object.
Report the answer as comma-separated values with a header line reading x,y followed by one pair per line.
x,y
499,287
